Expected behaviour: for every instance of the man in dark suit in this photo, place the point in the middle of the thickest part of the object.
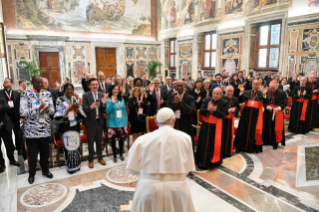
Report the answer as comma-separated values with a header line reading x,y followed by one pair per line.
x,y
13,100
104,87
168,85
94,104
146,82
6,127
218,82
157,97
85,81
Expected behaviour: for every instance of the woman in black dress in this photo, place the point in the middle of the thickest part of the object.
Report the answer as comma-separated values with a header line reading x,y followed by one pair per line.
x,y
197,93
137,105
235,82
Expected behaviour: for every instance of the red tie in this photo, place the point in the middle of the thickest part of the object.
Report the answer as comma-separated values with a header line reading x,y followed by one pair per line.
x,y
158,100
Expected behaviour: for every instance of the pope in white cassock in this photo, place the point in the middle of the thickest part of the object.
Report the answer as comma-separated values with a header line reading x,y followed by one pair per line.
x,y
162,159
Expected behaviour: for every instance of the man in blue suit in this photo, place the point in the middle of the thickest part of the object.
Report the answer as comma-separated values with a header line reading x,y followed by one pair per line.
x,y
104,87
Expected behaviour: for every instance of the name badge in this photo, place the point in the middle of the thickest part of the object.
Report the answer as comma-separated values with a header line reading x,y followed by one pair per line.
x,y
178,114
10,103
71,116
41,118
140,111
118,114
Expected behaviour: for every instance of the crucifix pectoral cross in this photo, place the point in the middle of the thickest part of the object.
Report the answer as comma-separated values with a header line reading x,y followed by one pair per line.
x,y
252,103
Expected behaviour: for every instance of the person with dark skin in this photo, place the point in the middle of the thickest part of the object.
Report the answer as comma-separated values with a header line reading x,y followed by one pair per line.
x,y
36,105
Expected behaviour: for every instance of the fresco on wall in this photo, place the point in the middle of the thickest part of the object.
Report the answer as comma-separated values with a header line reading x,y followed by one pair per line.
x,y
152,53
303,7
78,52
129,52
185,50
261,3
230,46
78,68
291,65
141,68
233,6
185,67
310,40
141,53
309,63
188,11
113,16
129,68
230,65
170,14
207,9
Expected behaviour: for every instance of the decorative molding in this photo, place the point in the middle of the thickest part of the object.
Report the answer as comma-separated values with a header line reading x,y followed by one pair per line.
x,y
234,30
303,19
47,38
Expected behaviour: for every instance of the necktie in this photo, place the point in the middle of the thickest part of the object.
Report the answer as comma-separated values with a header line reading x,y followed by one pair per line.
x,y
158,100
97,110
103,88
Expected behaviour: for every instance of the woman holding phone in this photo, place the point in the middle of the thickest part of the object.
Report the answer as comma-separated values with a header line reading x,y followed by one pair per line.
x,y
116,120
69,114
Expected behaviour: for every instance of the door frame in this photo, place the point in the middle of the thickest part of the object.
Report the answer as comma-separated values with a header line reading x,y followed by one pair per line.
x,y
119,56
58,49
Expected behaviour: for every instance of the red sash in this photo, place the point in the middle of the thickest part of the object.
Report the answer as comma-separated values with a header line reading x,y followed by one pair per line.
x,y
231,116
218,135
314,97
279,123
304,108
259,126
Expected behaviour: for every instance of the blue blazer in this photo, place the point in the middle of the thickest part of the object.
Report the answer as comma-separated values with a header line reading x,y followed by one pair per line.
x,y
216,85
111,110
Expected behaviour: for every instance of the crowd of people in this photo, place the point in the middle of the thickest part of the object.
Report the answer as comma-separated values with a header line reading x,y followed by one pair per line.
x,y
111,106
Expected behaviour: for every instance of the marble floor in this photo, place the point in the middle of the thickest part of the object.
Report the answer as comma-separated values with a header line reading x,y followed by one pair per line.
x,y
283,180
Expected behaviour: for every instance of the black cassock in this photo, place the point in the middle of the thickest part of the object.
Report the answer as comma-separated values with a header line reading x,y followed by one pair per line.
x,y
206,141
295,124
279,98
227,127
313,106
245,136
187,108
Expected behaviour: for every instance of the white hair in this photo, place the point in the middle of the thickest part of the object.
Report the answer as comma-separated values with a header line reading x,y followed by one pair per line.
x,y
156,79
206,81
43,78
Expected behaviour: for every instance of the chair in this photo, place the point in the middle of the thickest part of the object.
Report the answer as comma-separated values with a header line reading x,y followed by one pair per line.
x,y
106,139
59,145
287,112
196,137
199,118
128,135
151,124
83,139
242,105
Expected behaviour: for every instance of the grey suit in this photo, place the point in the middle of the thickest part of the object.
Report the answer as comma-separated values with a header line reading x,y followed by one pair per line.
x,y
94,125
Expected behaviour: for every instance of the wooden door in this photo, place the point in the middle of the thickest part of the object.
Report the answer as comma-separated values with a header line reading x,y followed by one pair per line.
x,y
49,61
106,61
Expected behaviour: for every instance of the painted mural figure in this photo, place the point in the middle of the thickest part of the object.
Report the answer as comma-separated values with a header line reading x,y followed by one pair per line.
x,y
233,6
291,66
208,7
188,12
170,15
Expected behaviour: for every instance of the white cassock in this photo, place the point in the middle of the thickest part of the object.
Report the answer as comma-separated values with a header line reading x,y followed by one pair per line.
x,y
162,159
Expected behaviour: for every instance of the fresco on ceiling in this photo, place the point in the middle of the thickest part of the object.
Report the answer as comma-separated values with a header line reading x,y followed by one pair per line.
x,y
304,7
102,16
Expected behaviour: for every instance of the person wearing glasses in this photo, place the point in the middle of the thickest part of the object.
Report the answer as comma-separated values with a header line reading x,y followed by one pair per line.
x,y
158,97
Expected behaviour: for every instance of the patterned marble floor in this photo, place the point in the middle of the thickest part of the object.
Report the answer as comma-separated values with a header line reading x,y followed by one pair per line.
x,y
284,180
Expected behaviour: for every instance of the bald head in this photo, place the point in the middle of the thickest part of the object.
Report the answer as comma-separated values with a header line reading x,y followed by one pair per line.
x,y
311,78
217,93
303,81
229,91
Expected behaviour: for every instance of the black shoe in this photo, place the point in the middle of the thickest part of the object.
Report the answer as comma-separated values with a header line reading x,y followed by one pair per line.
x,y
122,158
2,168
47,174
15,163
31,179
115,160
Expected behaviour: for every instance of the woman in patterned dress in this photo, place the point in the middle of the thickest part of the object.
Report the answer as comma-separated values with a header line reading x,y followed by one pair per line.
x,y
69,113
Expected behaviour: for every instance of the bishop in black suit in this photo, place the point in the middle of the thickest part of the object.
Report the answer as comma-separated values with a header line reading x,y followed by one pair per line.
x,y
228,122
300,113
183,104
249,132
273,117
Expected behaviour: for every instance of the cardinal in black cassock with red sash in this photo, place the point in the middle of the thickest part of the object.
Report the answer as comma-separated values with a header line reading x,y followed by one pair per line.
x,y
249,132
313,102
209,148
300,114
184,106
228,122
273,123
